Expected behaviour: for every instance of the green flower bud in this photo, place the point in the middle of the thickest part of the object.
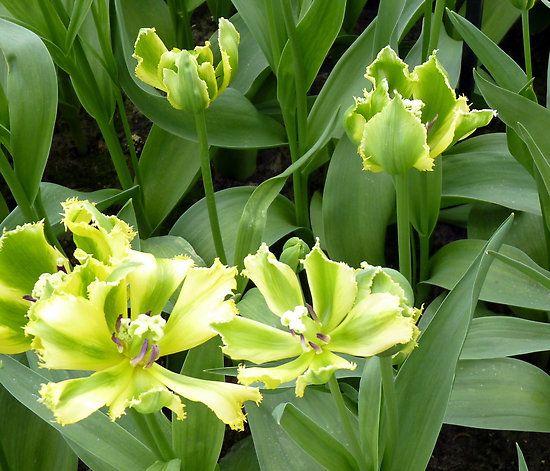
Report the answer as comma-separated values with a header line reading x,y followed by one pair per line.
x,y
190,79
522,4
294,250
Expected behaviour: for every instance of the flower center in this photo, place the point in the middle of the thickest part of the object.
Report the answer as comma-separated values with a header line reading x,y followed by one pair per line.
x,y
304,322
138,338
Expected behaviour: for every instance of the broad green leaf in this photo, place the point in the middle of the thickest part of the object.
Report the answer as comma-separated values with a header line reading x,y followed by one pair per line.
x,y
275,450
503,284
316,216
355,214
96,434
172,465
194,227
253,306
498,18
232,120
170,246
28,442
198,439
500,394
502,67
313,439
439,347
522,465
488,176
241,457
52,197
32,100
163,189
128,214
499,336
386,32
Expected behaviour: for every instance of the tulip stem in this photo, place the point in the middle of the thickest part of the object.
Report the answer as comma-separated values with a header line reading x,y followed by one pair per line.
x,y
436,25
401,183
526,43
346,422
200,124
427,29
390,404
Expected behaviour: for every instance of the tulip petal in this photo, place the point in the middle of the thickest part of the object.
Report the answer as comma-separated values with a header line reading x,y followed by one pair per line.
x,y
71,333
322,367
201,301
333,287
185,89
154,280
245,339
148,50
75,399
276,281
24,256
228,41
224,399
469,121
374,325
276,375
106,238
407,146
390,67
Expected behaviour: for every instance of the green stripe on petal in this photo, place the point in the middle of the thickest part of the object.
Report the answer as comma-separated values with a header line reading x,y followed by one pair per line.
x,y
277,375
148,50
185,89
373,326
228,41
245,339
154,281
226,400
75,399
201,301
276,281
321,369
407,147
333,287
71,333
13,341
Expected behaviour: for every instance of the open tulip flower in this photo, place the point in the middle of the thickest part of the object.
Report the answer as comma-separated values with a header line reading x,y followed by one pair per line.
x,y
97,332
190,79
409,118
355,312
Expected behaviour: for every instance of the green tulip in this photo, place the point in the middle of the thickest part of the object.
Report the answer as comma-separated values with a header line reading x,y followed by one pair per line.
x,y
190,79
355,312
523,5
409,118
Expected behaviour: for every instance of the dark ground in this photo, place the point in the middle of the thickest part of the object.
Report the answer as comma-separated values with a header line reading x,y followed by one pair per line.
x,y
458,448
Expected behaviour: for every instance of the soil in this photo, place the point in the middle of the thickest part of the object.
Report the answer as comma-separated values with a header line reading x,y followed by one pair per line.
x,y
458,448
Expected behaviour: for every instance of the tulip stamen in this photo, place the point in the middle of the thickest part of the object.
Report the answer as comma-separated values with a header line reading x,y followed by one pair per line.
x,y
141,355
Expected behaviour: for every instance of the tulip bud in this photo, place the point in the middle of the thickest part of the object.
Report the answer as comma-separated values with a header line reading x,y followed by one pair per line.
x,y
294,250
522,4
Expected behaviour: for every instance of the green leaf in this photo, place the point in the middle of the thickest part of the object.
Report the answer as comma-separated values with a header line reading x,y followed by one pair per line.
x,y
498,336
439,346
369,408
44,448
488,174
198,439
253,306
275,450
163,189
232,120
522,465
502,67
498,18
128,214
170,246
97,434
313,439
500,394
172,465
504,284
78,15
241,457
32,99
366,200
386,32
194,227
